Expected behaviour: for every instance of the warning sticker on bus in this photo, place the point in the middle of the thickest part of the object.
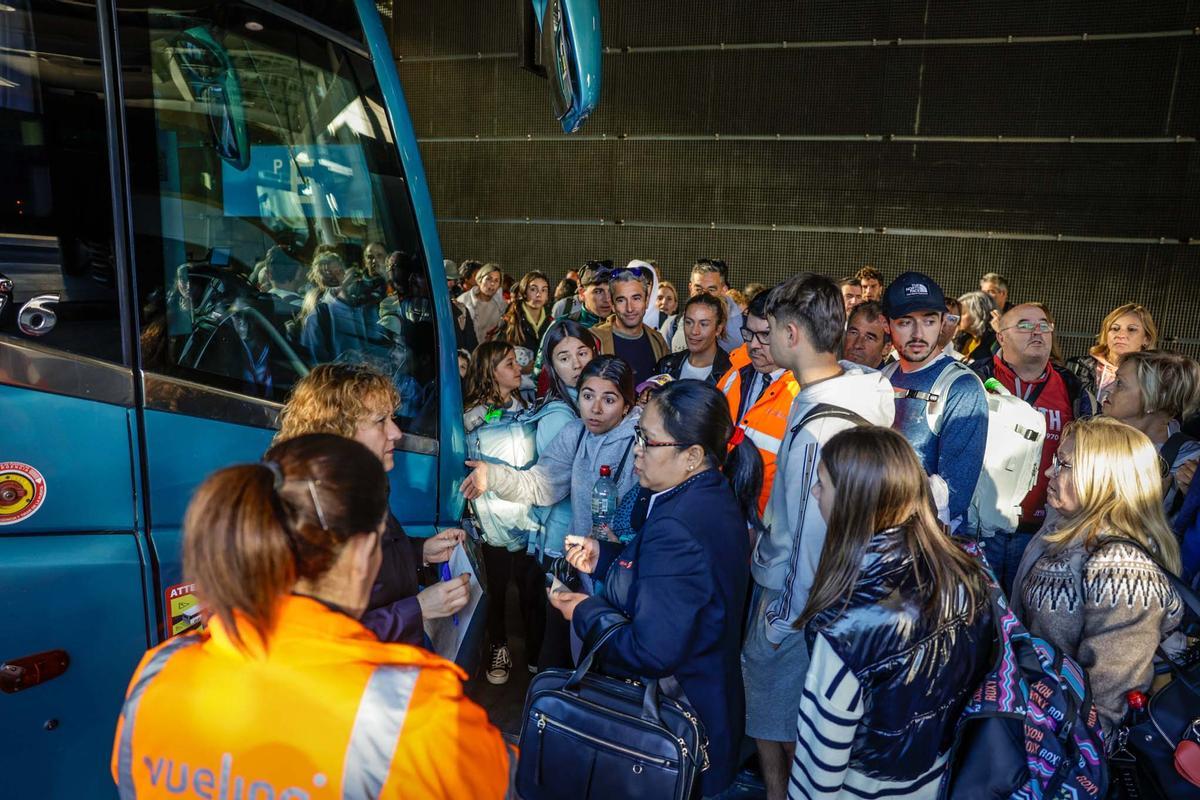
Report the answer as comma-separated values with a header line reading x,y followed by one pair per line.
x,y
183,609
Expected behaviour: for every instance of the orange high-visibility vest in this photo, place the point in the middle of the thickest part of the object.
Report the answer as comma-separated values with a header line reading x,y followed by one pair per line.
x,y
326,711
765,423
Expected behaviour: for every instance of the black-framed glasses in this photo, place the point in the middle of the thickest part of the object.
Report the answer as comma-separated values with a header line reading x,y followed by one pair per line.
x,y
763,337
640,440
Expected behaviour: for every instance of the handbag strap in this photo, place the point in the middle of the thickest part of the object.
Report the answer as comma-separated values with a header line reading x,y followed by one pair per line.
x,y
650,711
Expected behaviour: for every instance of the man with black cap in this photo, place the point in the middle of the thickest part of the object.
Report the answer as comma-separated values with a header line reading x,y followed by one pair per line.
x,y
593,294
941,406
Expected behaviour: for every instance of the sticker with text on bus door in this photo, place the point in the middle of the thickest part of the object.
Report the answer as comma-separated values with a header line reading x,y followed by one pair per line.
x,y
183,609
22,492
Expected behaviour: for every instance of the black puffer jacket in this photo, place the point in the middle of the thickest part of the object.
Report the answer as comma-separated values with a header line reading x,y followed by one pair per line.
x,y
916,673
672,364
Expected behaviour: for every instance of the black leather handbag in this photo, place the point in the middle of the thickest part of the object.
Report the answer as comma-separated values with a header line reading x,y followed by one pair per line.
x,y
1149,760
586,735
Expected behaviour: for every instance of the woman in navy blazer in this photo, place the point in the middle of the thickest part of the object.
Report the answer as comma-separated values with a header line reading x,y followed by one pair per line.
x,y
681,582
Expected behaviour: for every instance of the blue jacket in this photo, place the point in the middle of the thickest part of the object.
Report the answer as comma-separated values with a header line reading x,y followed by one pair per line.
x,y
955,451
682,584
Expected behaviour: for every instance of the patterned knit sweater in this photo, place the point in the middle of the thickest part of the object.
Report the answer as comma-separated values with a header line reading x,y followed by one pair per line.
x,y
1108,610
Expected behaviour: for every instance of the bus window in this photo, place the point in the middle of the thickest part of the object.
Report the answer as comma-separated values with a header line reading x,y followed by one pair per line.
x,y
56,220
272,224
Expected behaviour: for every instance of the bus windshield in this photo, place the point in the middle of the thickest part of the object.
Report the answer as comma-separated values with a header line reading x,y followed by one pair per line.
x,y
272,220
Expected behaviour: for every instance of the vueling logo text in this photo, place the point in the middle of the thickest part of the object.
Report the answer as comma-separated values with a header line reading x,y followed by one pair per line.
x,y
180,778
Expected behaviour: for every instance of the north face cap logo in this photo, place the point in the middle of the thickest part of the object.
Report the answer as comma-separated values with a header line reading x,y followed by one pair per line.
x,y
916,288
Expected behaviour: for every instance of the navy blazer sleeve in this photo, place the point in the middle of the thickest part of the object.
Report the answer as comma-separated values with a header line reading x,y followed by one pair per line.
x,y
400,621
672,585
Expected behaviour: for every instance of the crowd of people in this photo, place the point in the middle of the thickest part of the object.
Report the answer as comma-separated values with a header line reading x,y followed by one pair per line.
x,y
796,540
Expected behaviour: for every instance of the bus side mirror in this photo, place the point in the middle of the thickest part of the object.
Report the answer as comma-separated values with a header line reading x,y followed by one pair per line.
x,y
214,85
568,52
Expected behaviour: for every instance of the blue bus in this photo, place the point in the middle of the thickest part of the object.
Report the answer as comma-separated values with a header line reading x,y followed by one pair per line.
x,y
168,173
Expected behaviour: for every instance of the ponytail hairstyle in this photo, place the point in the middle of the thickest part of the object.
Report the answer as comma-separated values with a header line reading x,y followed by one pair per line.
x,y
717,304
696,413
253,530
480,388
510,326
617,372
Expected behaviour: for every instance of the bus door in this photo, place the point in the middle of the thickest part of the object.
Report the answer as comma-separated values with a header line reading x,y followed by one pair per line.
x,y
73,620
272,230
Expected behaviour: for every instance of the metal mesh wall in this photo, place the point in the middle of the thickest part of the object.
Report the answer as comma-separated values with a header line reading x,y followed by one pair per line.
x,y
1054,145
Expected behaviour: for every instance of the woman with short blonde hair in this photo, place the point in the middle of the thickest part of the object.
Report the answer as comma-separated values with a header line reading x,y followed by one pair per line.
x,y
1107,604
1154,392
357,402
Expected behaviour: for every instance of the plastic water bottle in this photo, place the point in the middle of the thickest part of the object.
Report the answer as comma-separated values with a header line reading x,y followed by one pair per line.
x,y
604,504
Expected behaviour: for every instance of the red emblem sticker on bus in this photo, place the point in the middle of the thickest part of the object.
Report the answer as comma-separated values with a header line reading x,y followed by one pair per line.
x,y
22,492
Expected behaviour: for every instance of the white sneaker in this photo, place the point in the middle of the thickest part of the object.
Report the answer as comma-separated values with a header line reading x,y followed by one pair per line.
x,y
501,664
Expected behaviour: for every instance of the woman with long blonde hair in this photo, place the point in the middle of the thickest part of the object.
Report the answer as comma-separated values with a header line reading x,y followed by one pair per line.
x,y
898,624
1106,604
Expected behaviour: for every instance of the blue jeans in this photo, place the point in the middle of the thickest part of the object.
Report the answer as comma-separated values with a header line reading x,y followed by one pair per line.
x,y
1004,551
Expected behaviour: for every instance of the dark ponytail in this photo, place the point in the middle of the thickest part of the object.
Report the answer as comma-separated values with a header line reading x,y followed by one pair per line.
x,y
251,531
696,413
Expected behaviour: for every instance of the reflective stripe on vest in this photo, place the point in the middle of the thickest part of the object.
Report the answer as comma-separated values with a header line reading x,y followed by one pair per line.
x,y
763,441
376,731
126,787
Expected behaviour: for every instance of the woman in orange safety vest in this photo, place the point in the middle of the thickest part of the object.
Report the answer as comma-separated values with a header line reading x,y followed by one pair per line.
x,y
286,695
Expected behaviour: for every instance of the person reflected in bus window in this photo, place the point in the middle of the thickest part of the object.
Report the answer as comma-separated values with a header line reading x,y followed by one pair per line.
x,y
375,260
284,554
334,321
285,281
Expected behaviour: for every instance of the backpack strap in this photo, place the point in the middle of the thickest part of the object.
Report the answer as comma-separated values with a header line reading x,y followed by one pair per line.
x,y
1172,446
941,390
828,411
624,458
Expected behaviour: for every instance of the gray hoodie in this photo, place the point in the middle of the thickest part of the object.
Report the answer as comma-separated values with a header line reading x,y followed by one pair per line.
x,y
570,467
787,555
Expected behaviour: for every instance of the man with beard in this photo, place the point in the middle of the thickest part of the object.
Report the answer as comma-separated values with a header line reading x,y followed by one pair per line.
x,y
941,406
624,334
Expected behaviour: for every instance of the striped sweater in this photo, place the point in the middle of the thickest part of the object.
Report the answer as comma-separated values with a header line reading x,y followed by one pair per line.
x,y
831,710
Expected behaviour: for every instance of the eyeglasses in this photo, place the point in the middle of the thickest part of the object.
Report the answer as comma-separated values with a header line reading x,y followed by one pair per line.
x,y
1058,466
763,337
640,440
953,318
1025,326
